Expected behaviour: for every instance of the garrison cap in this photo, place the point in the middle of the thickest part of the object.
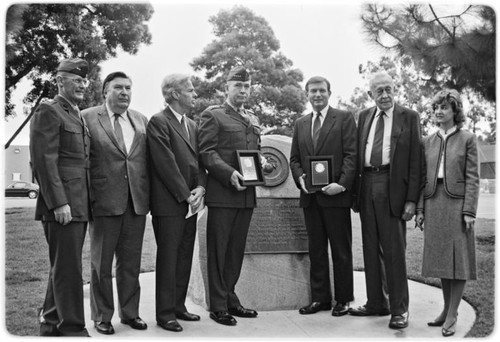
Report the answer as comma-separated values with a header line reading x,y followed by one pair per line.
x,y
75,66
238,73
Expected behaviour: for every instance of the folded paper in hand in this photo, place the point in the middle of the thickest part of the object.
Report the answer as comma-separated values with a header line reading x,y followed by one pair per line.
x,y
199,210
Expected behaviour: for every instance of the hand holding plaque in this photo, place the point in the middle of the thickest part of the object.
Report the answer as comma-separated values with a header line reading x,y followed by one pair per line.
x,y
319,172
250,165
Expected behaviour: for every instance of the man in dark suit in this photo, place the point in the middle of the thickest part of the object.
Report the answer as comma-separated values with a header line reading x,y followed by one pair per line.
x,y
119,179
388,187
327,212
177,183
59,148
223,130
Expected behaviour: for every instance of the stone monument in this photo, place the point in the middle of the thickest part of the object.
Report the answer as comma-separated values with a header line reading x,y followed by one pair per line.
x,y
275,272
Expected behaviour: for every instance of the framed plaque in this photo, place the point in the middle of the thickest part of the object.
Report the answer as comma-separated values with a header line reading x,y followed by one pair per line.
x,y
320,172
250,167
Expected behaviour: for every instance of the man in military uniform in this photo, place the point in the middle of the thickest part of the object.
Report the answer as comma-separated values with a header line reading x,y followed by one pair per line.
x,y
223,130
59,147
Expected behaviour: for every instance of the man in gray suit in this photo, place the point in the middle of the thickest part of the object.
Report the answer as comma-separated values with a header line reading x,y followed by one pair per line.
x,y
119,182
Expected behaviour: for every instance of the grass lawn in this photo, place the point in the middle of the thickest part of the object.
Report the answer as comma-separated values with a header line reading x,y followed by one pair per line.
x,y
26,270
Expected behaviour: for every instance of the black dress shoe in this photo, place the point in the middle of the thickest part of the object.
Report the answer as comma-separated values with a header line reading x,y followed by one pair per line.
x,y
242,312
436,323
105,328
363,311
135,323
314,307
399,321
340,309
171,325
187,316
223,317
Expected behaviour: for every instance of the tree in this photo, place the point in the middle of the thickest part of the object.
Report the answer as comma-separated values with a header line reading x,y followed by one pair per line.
x,y
454,46
243,38
38,36
413,91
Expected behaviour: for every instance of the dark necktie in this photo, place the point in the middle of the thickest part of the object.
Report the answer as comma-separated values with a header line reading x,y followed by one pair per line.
x,y
316,129
378,139
119,132
184,128
244,115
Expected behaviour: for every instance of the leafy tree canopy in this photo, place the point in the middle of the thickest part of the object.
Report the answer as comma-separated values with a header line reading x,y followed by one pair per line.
x,y
39,35
413,91
452,45
243,38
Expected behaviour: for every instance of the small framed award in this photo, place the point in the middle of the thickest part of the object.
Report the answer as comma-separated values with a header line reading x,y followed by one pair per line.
x,y
250,167
320,172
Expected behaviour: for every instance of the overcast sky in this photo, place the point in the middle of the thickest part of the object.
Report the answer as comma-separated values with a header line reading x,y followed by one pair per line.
x,y
320,37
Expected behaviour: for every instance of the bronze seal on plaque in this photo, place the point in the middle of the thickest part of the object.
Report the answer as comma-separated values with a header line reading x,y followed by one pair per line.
x,y
279,170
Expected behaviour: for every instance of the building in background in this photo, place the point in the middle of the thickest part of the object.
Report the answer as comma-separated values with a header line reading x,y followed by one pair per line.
x,y
17,164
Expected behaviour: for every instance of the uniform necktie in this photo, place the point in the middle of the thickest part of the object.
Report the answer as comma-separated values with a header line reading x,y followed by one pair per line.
x,y
316,129
376,156
119,132
244,115
184,128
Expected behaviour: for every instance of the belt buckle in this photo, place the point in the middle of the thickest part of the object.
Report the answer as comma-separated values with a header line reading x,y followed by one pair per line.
x,y
376,168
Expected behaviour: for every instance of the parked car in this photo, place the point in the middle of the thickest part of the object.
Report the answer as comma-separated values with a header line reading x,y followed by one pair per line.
x,y
22,189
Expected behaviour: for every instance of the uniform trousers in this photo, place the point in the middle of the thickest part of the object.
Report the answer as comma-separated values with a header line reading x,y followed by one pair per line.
x,y
384,247
120,236
63,306
227,230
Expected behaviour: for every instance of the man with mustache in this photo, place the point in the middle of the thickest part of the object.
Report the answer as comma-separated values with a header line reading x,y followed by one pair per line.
x,y
388,184
119,180
223,130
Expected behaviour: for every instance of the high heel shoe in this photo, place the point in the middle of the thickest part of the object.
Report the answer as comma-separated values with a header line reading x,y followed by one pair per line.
x,y
436,323
450,331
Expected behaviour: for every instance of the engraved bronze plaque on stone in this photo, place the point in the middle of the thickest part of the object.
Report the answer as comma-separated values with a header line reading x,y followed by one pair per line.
x,y
277,226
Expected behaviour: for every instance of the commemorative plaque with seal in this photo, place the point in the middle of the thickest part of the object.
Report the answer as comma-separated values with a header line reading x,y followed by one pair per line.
x,y
320,172
250,167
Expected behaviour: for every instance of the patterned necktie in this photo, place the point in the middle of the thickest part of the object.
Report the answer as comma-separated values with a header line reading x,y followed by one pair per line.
x,y
119,132
378,139
184,128
316,129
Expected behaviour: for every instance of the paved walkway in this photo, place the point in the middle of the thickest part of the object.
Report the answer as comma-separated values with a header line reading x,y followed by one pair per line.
x,y
425,305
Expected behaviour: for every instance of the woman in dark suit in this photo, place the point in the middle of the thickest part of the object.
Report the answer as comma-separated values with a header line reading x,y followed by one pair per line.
x,y
449,203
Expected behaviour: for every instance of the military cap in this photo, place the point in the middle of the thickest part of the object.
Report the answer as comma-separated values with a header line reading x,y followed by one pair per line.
x,y
238,73
75,66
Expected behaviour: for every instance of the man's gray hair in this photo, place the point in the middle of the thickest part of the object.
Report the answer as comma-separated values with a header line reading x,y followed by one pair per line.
x,y
171,83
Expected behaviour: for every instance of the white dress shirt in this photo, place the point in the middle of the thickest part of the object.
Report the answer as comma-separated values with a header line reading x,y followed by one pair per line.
x,y
127,128
179,118
445,135
323,112
386,144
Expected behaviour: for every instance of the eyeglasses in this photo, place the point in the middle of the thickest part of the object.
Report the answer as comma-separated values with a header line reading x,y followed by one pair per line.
x,y
79,81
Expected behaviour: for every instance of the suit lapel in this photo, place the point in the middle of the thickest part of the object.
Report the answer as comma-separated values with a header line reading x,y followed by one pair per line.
x,y
307,128
365,132
72,113
177,127
108,127
397,127
136,124
328,123
235,115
